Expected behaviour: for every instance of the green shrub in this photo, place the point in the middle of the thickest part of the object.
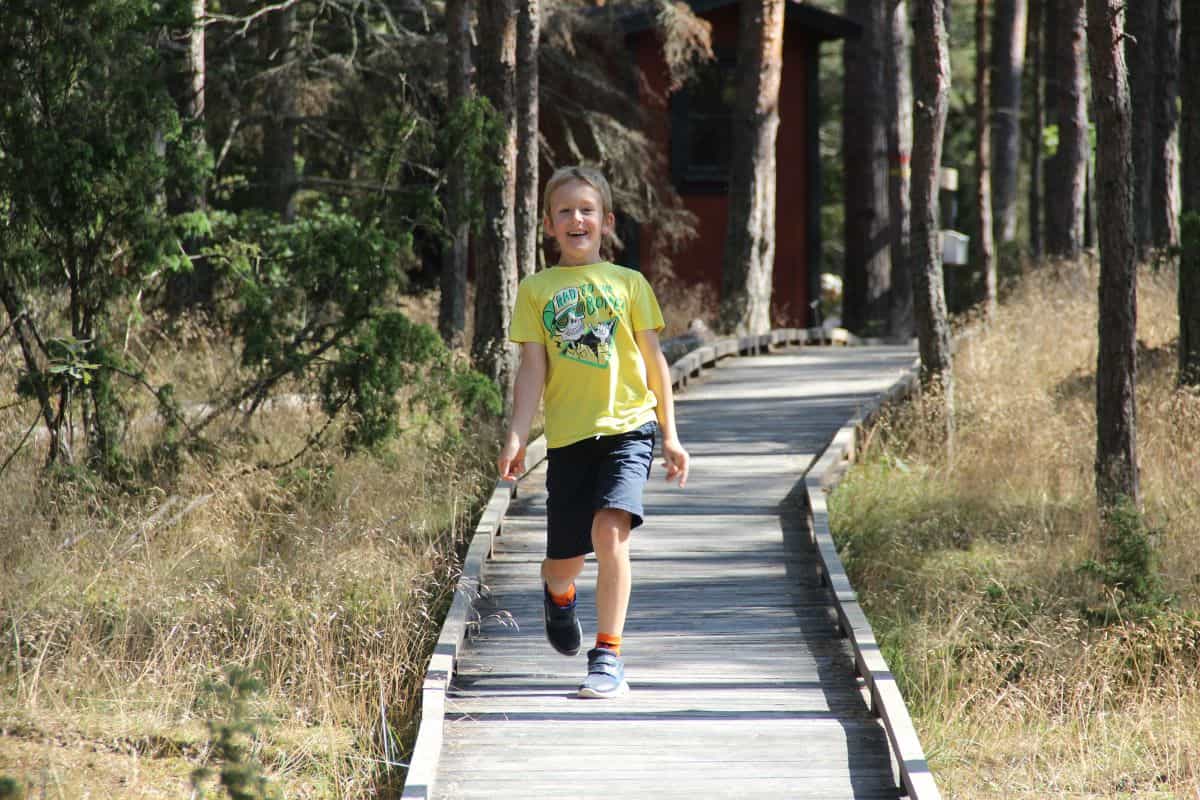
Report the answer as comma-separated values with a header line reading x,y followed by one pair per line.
x,y
1129,566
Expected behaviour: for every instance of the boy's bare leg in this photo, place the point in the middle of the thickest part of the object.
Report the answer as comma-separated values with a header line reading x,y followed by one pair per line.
x,y
560,573
610,540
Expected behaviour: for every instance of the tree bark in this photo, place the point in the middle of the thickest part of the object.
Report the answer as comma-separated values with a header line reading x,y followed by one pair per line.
x,y
452,305
527,219
1037,122
279,176
1189,263
1089,201
1066,172
931,88
1116,366
496,263
750,238
194,288
1008,62
985,250
1164,179
197,77
1141,20
867,272
1189,300
898,92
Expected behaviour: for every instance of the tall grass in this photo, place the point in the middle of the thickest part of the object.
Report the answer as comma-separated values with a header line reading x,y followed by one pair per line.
x,y
323,577
1028,676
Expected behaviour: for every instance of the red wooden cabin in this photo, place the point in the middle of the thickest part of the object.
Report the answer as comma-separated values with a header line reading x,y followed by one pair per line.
x,y
695,128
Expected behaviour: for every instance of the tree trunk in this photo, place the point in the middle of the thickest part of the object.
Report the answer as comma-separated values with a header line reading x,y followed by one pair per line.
x,y
1189,134
931,89
867,272
279,130
898,92
1089,202
452,308
496,262
1066,174
985,250
527,219
1037,122
1164,191
1141,19
1116,366
1189,300
750,236
194,288
1008,62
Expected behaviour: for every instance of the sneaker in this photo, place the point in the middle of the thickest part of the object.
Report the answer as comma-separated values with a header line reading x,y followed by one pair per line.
x,y
606,675
562,626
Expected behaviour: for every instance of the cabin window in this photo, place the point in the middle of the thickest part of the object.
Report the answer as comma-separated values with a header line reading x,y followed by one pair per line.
x,y
702,128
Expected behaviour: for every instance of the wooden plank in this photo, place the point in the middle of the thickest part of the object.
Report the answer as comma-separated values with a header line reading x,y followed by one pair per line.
x,y
678,374
726,348
662,788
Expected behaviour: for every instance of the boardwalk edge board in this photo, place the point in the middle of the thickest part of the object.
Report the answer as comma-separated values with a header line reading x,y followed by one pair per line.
x,y
886,700
423,764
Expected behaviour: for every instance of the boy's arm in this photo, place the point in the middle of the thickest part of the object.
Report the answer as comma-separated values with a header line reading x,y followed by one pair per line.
x,y
527,392
658,377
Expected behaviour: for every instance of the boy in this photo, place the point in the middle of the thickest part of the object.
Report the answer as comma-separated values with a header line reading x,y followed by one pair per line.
x,y
588,332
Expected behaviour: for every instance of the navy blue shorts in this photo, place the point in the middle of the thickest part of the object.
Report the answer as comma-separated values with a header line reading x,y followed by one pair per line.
x,y
590,475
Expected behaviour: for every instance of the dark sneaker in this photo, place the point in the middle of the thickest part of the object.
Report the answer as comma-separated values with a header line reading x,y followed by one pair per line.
x,y
562,626
606,675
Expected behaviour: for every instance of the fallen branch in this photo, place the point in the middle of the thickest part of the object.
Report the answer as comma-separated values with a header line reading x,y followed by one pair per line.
x,y
146,529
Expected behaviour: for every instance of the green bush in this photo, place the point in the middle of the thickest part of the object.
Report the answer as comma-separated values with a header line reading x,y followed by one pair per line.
x,y
1129,566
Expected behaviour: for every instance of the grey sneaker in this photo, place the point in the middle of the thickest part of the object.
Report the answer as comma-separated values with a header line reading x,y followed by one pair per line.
x,y
606,675
562,626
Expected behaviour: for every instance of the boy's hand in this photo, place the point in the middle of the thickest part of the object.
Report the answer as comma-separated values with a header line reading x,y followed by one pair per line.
x,y
511,462
676,460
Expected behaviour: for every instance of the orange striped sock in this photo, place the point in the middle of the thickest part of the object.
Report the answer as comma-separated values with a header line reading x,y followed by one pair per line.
x,y
609,641
565,599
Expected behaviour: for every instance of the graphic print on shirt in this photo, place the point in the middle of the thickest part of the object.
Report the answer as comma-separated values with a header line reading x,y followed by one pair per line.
x,y
581,321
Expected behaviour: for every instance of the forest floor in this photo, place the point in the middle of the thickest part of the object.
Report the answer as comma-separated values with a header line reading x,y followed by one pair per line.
x,y
126,608
1032,670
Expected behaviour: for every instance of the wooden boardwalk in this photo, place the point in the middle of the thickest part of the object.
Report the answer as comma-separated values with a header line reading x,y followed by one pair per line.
x,y
742,686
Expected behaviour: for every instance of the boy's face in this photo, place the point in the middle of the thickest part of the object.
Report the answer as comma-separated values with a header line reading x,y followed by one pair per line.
x,y
577,221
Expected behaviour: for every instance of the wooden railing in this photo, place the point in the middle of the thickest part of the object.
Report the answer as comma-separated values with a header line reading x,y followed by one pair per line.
x,y
908,757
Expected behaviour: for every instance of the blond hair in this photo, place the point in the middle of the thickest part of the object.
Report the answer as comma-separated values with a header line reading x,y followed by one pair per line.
x,y
589,175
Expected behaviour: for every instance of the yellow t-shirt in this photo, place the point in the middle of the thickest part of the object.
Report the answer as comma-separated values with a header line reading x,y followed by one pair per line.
x,y
587,317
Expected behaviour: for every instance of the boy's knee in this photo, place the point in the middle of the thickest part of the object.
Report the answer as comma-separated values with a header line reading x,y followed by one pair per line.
x,y
612,522
610,532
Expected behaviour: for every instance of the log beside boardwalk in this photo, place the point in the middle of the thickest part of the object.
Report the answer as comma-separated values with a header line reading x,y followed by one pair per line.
x,y
743,684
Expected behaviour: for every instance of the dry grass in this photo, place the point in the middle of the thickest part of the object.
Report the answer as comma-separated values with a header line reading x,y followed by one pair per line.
x,y
970,570
322,576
